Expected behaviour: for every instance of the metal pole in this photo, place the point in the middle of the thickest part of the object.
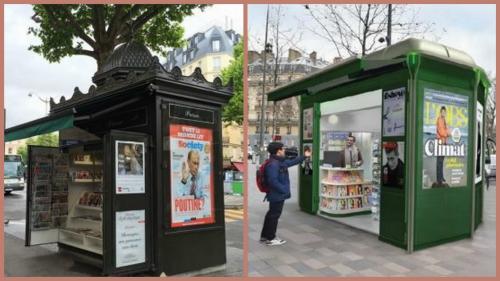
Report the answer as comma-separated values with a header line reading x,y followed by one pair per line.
x,y
389,25
262,153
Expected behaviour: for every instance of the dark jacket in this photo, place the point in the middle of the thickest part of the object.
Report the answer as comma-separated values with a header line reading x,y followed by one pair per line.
x,y
277,177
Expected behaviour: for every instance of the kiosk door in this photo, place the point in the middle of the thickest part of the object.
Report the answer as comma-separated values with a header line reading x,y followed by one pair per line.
x,y
127,209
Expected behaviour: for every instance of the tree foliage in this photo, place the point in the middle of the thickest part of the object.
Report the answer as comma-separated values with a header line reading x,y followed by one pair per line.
x,y
51,139
95,30
356,28
233,111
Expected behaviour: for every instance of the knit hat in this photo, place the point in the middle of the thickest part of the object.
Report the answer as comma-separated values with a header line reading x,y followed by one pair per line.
x,y
273,147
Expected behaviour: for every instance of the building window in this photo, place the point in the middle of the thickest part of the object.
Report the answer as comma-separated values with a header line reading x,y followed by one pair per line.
x,y
277,130
184,58
267,130
10,150
289,129
216,46
257,129
192,54
216,63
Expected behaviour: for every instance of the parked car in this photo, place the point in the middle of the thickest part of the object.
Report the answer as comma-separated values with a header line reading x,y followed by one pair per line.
x,y
14,175
490,166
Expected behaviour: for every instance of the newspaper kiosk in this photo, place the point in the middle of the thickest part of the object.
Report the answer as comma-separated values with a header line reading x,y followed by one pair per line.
x,y
136,184
397,138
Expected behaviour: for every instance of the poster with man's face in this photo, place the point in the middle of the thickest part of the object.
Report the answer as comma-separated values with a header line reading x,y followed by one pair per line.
x,y
393,164
445,139
191,180
129,167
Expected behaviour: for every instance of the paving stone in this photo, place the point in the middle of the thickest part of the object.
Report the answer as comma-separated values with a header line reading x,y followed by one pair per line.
x,y
359,265
288,259
326,252
288,271
342,269
370,272
396,267
300,267
438,269
307,228
314,263
351,256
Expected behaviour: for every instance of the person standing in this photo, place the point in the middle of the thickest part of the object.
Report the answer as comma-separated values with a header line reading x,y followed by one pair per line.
x,y
442,133
352,154
276,176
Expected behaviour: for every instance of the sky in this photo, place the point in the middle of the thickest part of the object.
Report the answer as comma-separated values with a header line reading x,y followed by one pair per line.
x,y
27,72
470,28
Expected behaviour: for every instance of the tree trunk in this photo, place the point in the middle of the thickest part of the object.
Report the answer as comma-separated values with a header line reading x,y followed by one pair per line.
x,y
104,53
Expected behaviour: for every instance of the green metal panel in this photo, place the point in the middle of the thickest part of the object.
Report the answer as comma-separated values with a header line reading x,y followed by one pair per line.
x,y
442,214
305,181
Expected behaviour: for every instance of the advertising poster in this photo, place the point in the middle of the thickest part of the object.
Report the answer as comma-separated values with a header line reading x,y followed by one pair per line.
x,y
130,238
445,139
307,164
394,112
393,164
307,124
479,142
129,167
191,175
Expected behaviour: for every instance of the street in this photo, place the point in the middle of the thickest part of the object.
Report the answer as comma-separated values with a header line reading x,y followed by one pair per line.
x,y
321,247
40,260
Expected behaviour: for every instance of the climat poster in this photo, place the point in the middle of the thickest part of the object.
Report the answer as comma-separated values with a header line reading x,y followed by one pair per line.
x,y
129,167
394,112
445,139
191,175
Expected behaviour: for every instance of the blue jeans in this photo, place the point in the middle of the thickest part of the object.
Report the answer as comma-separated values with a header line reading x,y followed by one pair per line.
x,y
271,220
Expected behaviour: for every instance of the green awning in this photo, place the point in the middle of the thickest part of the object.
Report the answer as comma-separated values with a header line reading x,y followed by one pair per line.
x,y
39,127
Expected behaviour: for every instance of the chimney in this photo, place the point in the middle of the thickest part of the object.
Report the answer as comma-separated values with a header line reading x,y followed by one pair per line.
x,y
293,54
312,56
337,60
253,56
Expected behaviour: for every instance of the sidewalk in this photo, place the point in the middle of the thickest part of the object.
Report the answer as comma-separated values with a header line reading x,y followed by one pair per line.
x,y
233,201
320,247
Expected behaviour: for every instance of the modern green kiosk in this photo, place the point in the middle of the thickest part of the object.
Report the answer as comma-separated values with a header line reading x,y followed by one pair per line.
x,y
397,139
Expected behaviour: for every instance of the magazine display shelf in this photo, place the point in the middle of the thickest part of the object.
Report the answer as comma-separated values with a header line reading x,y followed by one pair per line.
x,y
343,191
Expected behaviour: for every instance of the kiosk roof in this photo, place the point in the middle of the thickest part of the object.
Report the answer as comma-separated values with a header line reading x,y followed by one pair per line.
x,y
393,54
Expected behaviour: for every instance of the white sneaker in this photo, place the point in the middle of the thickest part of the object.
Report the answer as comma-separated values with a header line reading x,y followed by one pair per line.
x,y
275,242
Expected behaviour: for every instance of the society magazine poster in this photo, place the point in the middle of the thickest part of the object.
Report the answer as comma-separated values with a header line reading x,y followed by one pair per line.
x,y
191,160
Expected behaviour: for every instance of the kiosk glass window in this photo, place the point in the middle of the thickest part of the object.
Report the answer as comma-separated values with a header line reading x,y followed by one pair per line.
x,y
350,131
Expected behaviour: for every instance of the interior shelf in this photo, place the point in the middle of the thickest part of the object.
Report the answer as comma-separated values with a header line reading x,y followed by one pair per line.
x,y
89,207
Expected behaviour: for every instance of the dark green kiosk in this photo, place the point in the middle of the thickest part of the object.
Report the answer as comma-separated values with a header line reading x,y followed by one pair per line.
x,y
136,185
414,112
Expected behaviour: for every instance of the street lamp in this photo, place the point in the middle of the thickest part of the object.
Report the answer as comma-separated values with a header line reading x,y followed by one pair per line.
x,y
45,101
267,49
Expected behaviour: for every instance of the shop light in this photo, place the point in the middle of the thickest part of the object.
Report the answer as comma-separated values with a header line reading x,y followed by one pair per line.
x,y
333,119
